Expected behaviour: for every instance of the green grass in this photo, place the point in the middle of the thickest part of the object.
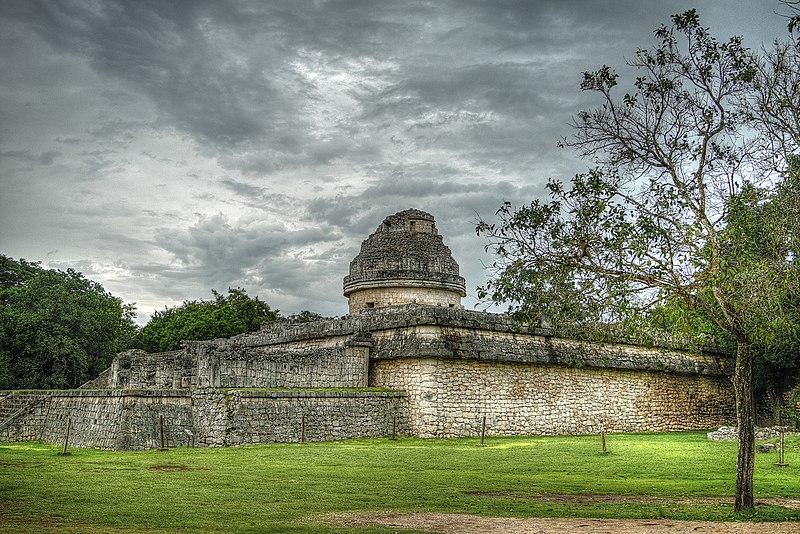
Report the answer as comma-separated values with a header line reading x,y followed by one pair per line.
x,y
290,487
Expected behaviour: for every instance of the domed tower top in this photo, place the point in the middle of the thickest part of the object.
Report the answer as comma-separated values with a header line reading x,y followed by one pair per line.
x,y
404,261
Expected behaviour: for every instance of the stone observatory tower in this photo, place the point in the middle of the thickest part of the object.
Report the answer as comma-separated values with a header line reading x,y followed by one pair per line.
x,y
404,261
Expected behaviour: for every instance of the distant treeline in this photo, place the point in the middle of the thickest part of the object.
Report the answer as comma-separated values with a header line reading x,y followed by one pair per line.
x,y
59,329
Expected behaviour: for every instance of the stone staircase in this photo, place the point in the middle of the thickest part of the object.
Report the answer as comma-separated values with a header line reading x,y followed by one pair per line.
x,y
14,404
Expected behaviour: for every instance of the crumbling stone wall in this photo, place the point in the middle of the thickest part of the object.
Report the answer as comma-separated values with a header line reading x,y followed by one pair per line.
x,y
207,417
118,419
274,358
21,414
281,355
246,416
137,369
454,367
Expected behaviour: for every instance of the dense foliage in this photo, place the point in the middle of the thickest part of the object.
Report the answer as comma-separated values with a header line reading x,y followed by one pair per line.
x,y
680,208
196,320
761,244
57,329
760,241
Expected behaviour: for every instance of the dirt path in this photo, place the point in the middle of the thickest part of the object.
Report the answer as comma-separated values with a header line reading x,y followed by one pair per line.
x,y
462,523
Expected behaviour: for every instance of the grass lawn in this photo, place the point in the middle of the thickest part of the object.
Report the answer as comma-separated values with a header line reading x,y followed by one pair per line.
x,y
289,487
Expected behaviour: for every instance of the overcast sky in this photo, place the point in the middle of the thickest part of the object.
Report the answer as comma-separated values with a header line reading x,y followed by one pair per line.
x,y
166,148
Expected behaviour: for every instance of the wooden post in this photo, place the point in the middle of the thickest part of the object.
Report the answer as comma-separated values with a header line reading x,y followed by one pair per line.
x,y
603,436
66,439
483,430
161,432
303,428
780,452
394,426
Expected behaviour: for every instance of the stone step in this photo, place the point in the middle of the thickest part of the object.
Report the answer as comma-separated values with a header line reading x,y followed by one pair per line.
x,y
11,403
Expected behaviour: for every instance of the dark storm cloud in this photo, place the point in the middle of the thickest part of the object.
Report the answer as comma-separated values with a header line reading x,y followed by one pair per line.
x,y
359,213
44,158
180,55
195,61
223,142
217,252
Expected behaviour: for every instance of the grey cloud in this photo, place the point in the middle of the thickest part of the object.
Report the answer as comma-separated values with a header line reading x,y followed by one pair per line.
x,y
194,61
473,90
179,55
225,251
354,214
69,140
244,189
119,132
260,198
43,158
301,125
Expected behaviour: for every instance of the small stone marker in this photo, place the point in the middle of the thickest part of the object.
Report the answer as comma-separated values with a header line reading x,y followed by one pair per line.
x,y
189,436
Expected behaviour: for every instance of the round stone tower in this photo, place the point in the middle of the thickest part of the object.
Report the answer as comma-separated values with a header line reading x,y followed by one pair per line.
x,y
404,261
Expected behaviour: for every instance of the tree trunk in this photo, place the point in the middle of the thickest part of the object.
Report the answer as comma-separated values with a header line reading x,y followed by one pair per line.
x,y
745,419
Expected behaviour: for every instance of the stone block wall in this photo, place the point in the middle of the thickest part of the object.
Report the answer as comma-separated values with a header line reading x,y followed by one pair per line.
x,y
207,417
243,416
331,361
454,366
22,414
391,296
448,398
305,364
464,337
137,369
163,370
118,419
281,355
327,353
457,366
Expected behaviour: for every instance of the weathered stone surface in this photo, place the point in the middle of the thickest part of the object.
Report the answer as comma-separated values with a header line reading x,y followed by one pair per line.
x,y
731,433
448,398
207,417
448,367
404,261
335,352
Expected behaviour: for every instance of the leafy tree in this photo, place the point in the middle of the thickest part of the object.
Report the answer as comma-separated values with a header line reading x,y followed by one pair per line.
x,y
197,320
760,236
667,215
774,107
57,329
761,242
305,316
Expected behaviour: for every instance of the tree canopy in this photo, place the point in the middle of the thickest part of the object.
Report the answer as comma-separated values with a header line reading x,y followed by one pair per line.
x,y
691,174
57,329
196,320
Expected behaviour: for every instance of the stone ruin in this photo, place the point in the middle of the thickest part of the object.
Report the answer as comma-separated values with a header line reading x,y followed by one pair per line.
x,y
405,261
407,360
